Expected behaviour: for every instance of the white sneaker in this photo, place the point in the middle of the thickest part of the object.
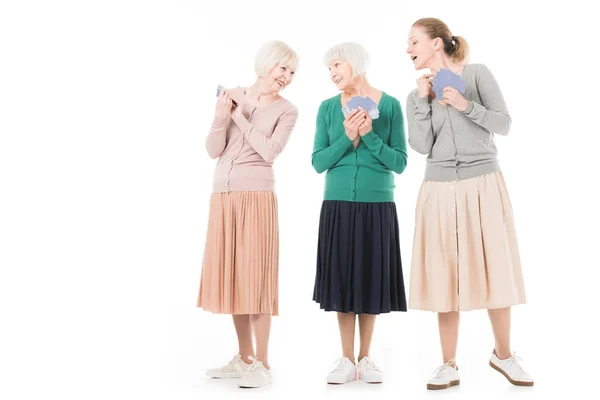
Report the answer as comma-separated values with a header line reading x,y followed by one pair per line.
x,y
369,372
444,377
235,369
257,376
511,369
344,371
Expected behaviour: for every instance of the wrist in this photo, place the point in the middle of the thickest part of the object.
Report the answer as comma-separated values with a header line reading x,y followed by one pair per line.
x,y
421,100
468,107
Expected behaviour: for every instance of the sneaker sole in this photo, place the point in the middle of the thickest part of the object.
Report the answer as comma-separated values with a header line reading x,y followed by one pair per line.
x,y
224,375
253,386
339,382
432,386
375,381
516,383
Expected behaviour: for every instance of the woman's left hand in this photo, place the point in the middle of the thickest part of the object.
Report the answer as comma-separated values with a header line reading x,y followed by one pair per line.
x,y
367,125
455,98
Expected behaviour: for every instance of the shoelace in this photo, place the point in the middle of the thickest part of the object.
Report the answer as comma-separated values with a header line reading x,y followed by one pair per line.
x,y
235,360
255,364
514,361
438,371
341,364
370,365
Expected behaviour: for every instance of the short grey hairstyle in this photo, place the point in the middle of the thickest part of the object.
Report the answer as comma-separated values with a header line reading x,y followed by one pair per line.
x,y
273,53
354,53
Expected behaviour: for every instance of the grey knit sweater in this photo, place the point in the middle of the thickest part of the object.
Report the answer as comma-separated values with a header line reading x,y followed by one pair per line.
x,y
459,145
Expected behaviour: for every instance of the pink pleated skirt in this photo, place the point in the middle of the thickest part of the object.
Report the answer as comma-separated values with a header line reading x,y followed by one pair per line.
x,y
465,253
241,257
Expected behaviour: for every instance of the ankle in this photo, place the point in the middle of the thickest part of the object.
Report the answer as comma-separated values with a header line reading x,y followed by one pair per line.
x,y
502,355
351,358
451,362
264,362
361,356
247,358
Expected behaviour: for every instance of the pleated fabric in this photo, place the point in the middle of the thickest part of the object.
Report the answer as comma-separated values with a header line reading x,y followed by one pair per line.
x,y
359,268
465,253
241,257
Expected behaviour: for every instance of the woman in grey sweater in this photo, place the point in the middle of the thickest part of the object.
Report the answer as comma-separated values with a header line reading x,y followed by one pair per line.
x,y
465,253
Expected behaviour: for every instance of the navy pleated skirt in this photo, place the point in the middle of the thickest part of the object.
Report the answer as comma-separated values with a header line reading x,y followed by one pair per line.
x,y
359,268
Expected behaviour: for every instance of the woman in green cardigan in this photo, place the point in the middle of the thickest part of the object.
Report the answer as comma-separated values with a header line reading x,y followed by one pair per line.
x,y
359,269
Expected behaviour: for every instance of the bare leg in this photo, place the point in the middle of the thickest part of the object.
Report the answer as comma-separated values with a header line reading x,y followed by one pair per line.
x,y
261,324
448,324
347,324
366,324
244,334
500,319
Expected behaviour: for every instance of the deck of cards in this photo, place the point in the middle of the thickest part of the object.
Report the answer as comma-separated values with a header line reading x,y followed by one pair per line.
x,y
445,78
365,102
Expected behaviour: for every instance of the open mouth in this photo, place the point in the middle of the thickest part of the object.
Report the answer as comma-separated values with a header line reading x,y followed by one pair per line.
x,y
338,80
280,83
413,58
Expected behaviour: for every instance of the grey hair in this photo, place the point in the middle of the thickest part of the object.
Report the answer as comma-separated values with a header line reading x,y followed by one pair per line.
x,y
354,53
273,53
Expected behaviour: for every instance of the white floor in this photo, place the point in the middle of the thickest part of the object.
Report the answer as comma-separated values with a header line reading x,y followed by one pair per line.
x,y
405,346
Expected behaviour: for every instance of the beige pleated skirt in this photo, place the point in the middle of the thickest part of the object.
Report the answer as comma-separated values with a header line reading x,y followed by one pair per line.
x,y
241,257
465,254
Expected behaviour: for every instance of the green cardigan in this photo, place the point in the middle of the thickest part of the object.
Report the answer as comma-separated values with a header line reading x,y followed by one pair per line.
x,y
363,174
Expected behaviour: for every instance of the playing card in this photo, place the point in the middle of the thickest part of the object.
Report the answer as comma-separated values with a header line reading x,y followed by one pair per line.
x,y
365,102
373,113
220,88
445,78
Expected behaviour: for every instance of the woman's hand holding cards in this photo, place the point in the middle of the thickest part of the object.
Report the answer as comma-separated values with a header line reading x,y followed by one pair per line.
x,y
224,104
455,98
424,85
367,124
352,123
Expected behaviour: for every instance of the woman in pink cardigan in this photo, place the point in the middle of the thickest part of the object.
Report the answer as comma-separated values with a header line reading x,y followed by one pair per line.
x,y
239,271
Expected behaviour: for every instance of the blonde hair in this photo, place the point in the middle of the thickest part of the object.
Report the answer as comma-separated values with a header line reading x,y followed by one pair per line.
x,y
354,53
454,46
273,53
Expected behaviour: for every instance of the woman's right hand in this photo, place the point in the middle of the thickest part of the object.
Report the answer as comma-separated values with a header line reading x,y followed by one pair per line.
x,y
224,104
424,85
353,122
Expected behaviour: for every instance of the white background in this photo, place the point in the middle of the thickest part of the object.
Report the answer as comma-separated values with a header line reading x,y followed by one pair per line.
x,y
105,183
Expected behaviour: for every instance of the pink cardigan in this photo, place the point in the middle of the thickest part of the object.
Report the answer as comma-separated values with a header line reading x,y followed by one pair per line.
x,y
247,147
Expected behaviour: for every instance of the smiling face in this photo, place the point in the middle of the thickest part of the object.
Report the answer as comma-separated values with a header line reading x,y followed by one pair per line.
x,y
280,77
340,72
421,48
